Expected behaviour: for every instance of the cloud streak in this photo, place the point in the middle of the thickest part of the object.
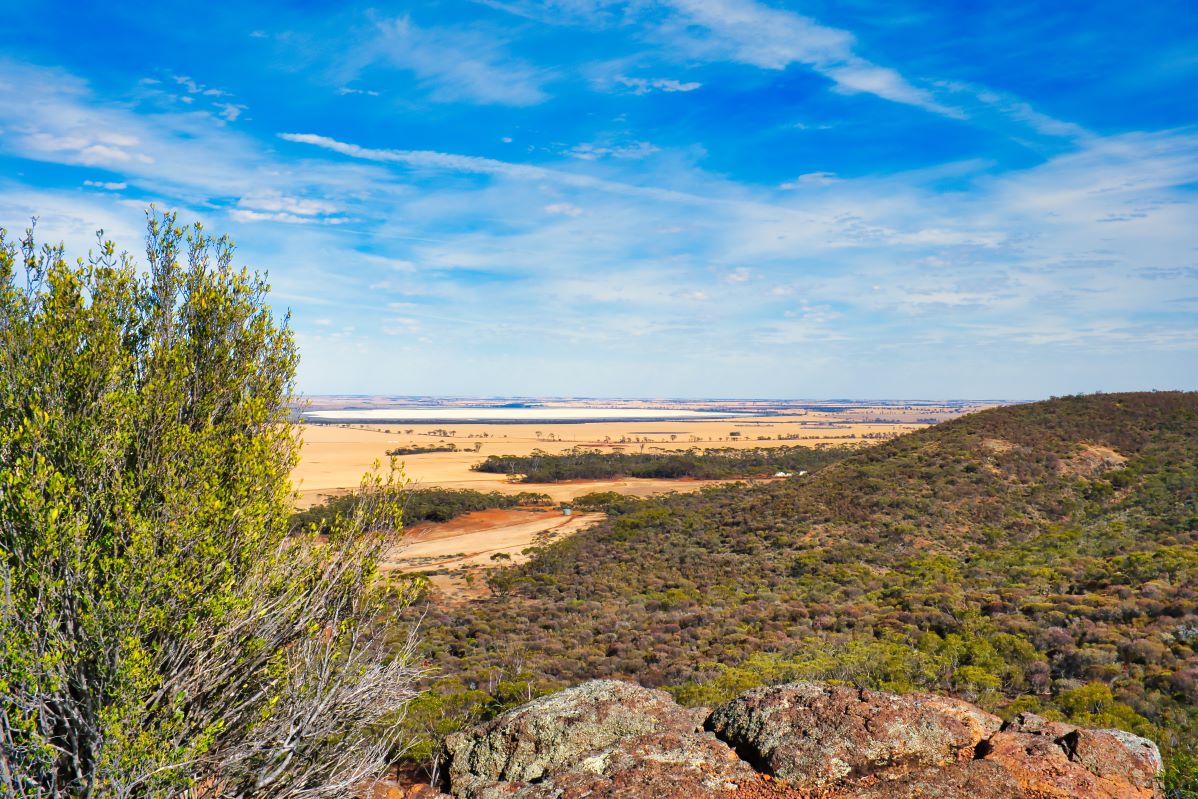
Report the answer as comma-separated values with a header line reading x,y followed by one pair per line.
x,y
454,65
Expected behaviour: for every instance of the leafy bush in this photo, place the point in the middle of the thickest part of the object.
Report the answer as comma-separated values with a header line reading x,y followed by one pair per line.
x,y
159,630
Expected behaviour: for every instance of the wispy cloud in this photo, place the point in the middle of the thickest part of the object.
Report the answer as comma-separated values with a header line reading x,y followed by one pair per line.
x,y
453,64
632,150
756,34
649,85
563,209
194,87
110,185
810,179
271,206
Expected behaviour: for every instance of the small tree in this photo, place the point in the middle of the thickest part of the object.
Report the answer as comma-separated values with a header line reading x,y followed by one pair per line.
x,y
162,631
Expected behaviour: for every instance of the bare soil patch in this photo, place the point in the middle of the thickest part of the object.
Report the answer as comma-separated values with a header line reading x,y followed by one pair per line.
x,y
1092,460
456,553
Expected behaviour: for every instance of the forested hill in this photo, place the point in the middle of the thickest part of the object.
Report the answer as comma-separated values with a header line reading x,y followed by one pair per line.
x,y
1036,556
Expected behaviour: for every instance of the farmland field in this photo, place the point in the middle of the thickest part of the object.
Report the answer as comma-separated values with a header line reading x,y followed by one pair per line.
x,y
335,455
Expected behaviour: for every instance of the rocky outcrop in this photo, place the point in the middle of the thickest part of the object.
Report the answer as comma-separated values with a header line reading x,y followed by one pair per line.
x,y
814,734
1059,761
555,732
607,739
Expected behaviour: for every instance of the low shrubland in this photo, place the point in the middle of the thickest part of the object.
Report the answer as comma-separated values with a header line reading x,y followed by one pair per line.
x,y
1037,557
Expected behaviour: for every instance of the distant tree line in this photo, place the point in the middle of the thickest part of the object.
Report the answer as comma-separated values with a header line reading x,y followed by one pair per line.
x,y
705,464
421,449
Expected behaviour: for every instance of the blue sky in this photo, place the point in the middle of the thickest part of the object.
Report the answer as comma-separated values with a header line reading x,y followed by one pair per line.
x,y
722,198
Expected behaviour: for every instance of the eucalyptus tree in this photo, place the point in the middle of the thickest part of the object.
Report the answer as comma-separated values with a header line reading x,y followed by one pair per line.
x,y
162,630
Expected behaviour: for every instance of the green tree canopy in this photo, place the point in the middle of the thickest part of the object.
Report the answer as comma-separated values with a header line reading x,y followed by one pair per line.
x,y
161,628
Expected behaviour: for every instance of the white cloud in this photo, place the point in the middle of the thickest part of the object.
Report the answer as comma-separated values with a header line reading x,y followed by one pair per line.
x,y
562,12
194,90
273,201
648,85
632,151
344,90
248,215
193,87
230,111
773,38
752,33
79,144
495,241
190,156
739,275
810,179
433,160
109,185
563,209
1013,109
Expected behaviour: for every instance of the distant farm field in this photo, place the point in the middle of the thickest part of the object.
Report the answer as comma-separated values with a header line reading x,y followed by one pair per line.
x,y
335,456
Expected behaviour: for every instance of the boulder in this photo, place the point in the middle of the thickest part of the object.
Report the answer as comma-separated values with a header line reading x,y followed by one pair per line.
x,y
525,744
1058,761
811,734
1116,755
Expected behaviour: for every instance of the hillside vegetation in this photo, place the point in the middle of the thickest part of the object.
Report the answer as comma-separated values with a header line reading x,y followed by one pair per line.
x,y
700,464
1039,557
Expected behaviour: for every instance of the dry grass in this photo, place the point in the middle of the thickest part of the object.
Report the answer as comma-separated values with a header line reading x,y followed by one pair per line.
x,y
336,456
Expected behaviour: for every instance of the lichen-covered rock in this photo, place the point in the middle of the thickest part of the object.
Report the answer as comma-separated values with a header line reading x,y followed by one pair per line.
x,y
665,766
553,731
811,734
981,725
612,740
1116,755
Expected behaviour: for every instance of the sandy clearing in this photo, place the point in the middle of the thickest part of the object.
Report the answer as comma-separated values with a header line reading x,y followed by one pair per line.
x,y
457,552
